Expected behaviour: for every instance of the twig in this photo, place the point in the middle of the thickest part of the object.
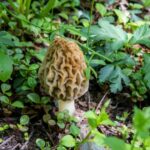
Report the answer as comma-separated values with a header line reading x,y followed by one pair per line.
x,y
101,102
48,135
6,141
18,145
25,145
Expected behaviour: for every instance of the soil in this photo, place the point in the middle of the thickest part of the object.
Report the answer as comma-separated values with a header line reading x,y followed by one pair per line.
x,y
13,139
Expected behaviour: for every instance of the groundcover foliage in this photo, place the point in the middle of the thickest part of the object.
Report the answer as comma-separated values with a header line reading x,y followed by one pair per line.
x,y
115,39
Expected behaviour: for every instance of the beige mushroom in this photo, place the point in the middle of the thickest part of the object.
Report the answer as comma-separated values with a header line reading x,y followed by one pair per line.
x,y
62,73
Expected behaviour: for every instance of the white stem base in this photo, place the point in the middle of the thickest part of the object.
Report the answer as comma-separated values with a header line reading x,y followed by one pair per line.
x,y
66,105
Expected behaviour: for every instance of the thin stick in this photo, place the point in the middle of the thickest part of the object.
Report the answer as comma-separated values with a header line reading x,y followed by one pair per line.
x,y
101,102
24,146
6,141
18,145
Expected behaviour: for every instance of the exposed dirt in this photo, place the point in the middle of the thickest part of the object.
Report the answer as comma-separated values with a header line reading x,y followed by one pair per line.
x,y
13,138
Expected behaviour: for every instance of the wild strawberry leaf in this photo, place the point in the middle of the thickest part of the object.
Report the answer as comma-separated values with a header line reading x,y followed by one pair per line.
x,y
141,36
146,69
114,34
115,76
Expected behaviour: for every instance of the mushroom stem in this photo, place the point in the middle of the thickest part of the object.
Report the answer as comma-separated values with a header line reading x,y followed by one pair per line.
x,y
66,105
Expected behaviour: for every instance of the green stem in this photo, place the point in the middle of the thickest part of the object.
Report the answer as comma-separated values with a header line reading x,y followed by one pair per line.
x,y
134,140
84,140
98,54
90,22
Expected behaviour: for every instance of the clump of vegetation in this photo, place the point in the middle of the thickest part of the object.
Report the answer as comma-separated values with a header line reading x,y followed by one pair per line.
x,y
115,40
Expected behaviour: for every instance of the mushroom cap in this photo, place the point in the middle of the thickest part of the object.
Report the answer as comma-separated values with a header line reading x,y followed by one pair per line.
x,y
62,71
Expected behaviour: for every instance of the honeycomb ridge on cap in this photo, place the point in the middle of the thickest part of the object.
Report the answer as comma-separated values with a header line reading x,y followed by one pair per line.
x,y
62,71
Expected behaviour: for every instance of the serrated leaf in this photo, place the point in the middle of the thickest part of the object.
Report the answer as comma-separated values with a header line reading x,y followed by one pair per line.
x,y
6,67
105,73
113,34
116,79
141,36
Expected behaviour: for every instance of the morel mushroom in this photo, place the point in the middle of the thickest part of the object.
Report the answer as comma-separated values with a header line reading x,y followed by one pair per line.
x,y
62,73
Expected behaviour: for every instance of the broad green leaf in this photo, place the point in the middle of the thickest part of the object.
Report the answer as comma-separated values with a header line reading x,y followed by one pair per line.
x,y
116,79
24,120
105,73
113,34
115,76
6,39
122,17
101,8
146,3
116,144
141,119
68,141
74,130
141,36
40,143
18,104
5,87
92,118
6,67
4,99
34,97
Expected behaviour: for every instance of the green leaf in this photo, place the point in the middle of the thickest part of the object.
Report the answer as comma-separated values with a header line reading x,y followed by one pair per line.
x,y
97,62
5,87
141,36
105,73
116,79
68,141
18,104
101,8
40,143
122,17
6,67
4,99
6,39
34,97
50,5
113,34
115,76
32,82
88,72
145,69
116,144
74,130
141,119
24,120
92,118
146,3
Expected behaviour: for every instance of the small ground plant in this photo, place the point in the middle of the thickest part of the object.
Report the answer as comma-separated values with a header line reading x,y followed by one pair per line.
x,y
115,39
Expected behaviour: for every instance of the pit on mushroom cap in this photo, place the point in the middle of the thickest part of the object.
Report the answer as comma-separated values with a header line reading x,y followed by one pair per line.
x,y
62,73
